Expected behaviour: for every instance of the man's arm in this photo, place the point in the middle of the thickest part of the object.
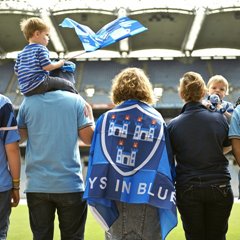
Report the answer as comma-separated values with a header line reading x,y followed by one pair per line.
x,y
14,162
23,134
86,134
227,149
236,149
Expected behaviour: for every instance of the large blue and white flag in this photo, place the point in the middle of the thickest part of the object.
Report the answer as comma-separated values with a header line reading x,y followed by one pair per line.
x,y
130,162
114,31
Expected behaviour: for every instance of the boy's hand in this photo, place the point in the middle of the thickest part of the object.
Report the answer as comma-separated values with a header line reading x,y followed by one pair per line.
x,y
61,63
207,104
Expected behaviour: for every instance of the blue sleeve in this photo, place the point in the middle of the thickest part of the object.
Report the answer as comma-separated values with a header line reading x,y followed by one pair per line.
x,y
234,130
83,120
43,56
21,117
8,124
170,153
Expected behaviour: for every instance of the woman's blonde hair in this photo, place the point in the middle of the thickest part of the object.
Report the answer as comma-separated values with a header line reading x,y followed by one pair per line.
x,y
192,87
31,25
219,79
132,83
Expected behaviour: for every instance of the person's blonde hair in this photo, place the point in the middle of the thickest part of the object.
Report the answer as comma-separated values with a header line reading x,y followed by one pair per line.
x,y
192,87
132,83
218,79
31,25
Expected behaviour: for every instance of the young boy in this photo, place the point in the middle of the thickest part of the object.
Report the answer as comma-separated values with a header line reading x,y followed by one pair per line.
x,y
33,64
218,85
9,164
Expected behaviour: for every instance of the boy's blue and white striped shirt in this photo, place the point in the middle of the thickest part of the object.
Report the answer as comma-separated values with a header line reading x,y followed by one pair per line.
x,y
29,66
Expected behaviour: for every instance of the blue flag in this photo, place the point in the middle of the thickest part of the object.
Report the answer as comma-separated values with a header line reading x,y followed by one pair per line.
x,y
130,162
114,31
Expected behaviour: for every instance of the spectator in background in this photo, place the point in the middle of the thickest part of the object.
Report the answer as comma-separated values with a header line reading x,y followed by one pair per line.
x,y
234,136
198,138
33,64
129,153
9,164
218,85
52,123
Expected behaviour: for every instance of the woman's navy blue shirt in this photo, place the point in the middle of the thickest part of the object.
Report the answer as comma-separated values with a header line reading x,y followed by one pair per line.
x,y
197,137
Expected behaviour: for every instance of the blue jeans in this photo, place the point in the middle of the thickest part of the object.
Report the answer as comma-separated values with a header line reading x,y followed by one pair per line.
x,y
135,222
205,211
5,211
71,210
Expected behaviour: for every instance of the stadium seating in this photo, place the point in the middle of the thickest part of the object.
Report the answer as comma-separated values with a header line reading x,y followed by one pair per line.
x,y
166,74
7,72
230,69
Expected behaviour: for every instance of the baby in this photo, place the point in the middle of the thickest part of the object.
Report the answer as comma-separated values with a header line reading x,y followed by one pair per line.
x,y
217,90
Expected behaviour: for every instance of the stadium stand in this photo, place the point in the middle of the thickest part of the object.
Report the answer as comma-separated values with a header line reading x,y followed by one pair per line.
x,y
170,25
7,73
230,69
166,74
100,73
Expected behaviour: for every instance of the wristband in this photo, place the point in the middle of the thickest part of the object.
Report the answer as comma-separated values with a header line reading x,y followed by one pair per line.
x,y
16,180
15,184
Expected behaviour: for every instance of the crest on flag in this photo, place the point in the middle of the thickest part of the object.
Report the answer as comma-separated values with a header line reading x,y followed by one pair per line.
x,y
130,133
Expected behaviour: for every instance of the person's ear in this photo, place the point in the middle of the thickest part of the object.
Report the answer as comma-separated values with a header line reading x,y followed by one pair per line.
x,y
180,93
36,33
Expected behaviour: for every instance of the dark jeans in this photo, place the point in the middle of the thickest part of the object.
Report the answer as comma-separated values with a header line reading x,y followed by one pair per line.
x,y
5,210
51,84
71,210
205,211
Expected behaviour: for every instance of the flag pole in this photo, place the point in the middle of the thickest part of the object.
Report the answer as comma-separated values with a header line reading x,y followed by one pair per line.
x,y
75,55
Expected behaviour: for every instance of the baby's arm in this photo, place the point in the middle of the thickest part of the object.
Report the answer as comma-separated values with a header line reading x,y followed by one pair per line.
x,y
54,65
228,116
207,104
224,111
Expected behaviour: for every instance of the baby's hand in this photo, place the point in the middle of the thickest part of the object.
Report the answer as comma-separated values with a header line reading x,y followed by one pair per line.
x,y
207,103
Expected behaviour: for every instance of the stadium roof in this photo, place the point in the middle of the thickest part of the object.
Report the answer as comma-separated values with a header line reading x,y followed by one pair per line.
x,y
175,28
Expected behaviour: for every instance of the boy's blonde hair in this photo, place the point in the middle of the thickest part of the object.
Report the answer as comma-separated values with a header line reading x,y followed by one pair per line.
x,y
192,87
132,83
31,25
219,79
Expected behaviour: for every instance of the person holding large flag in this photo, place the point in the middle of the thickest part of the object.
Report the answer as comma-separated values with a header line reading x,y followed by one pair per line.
x,y
33,64
130,179
199,139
